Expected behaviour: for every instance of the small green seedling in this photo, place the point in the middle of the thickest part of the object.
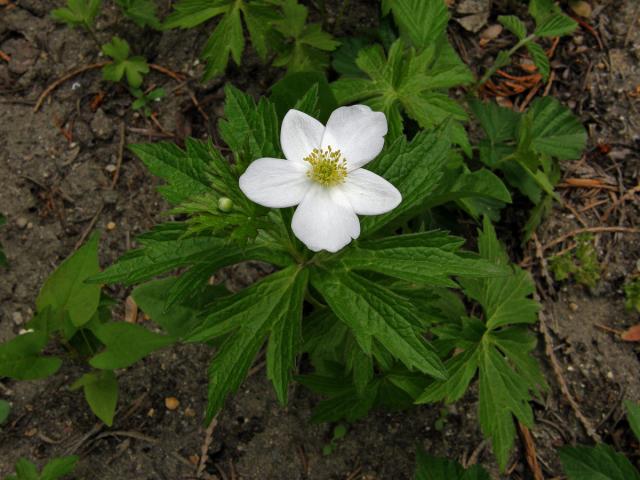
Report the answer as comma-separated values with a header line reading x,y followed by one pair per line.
x,y
581,264
527,148
632,295
55,469
304,46
441,421
134,68
339,433
78,13
78,315
145,100
141,12
550,22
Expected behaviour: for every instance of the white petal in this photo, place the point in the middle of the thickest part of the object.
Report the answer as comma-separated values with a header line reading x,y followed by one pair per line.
x,y
358,132
275,183
370,194
325,220
299,134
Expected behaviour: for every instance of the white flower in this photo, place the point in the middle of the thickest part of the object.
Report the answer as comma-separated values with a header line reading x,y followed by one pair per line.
x,y
322,174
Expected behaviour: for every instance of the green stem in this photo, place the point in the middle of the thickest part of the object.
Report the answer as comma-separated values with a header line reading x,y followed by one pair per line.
x,y
495,66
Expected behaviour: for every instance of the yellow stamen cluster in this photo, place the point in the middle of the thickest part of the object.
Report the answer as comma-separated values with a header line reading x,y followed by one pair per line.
x,y
328,168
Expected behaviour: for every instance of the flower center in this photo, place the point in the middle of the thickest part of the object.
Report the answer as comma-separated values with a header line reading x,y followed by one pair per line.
x,y
328,167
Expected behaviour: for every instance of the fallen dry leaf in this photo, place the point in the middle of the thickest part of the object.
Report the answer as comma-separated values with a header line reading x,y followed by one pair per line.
x,y
130,310
632,334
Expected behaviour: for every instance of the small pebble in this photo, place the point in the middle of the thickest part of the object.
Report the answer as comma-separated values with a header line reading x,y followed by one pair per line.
x,y
581,8
111,226
110,168
610,375
573,306
172,403
189,412
17,318
21,222
151,413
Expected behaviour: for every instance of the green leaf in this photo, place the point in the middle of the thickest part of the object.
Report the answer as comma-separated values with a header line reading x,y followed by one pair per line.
x,y
414,168
20,359
285,338
421,21
126,343
555,130
5,410
413,258
433,468
185,175
78,13
180,317
101,391
633,416
303,45
286,94
308,103
344,58
461,369
498,347
247,318
227,39
540,59
514,25
66,291
596,463
26,470
141,12
134,68
504,299
59,467
502,394
500,125
555,25
165,249
405,79
190,13
249,129
479,193
373,312
541,9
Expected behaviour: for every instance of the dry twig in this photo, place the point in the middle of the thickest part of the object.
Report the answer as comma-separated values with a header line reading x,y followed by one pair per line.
x,y
116,173
530,452
557,369
204,451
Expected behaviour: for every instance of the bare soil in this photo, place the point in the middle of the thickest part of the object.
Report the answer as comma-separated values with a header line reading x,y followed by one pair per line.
x,y
57,167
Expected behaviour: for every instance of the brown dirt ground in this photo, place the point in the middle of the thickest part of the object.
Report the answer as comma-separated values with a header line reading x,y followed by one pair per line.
x,y
56,168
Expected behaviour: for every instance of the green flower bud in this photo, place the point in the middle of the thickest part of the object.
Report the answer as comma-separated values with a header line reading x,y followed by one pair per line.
x,y
225,204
